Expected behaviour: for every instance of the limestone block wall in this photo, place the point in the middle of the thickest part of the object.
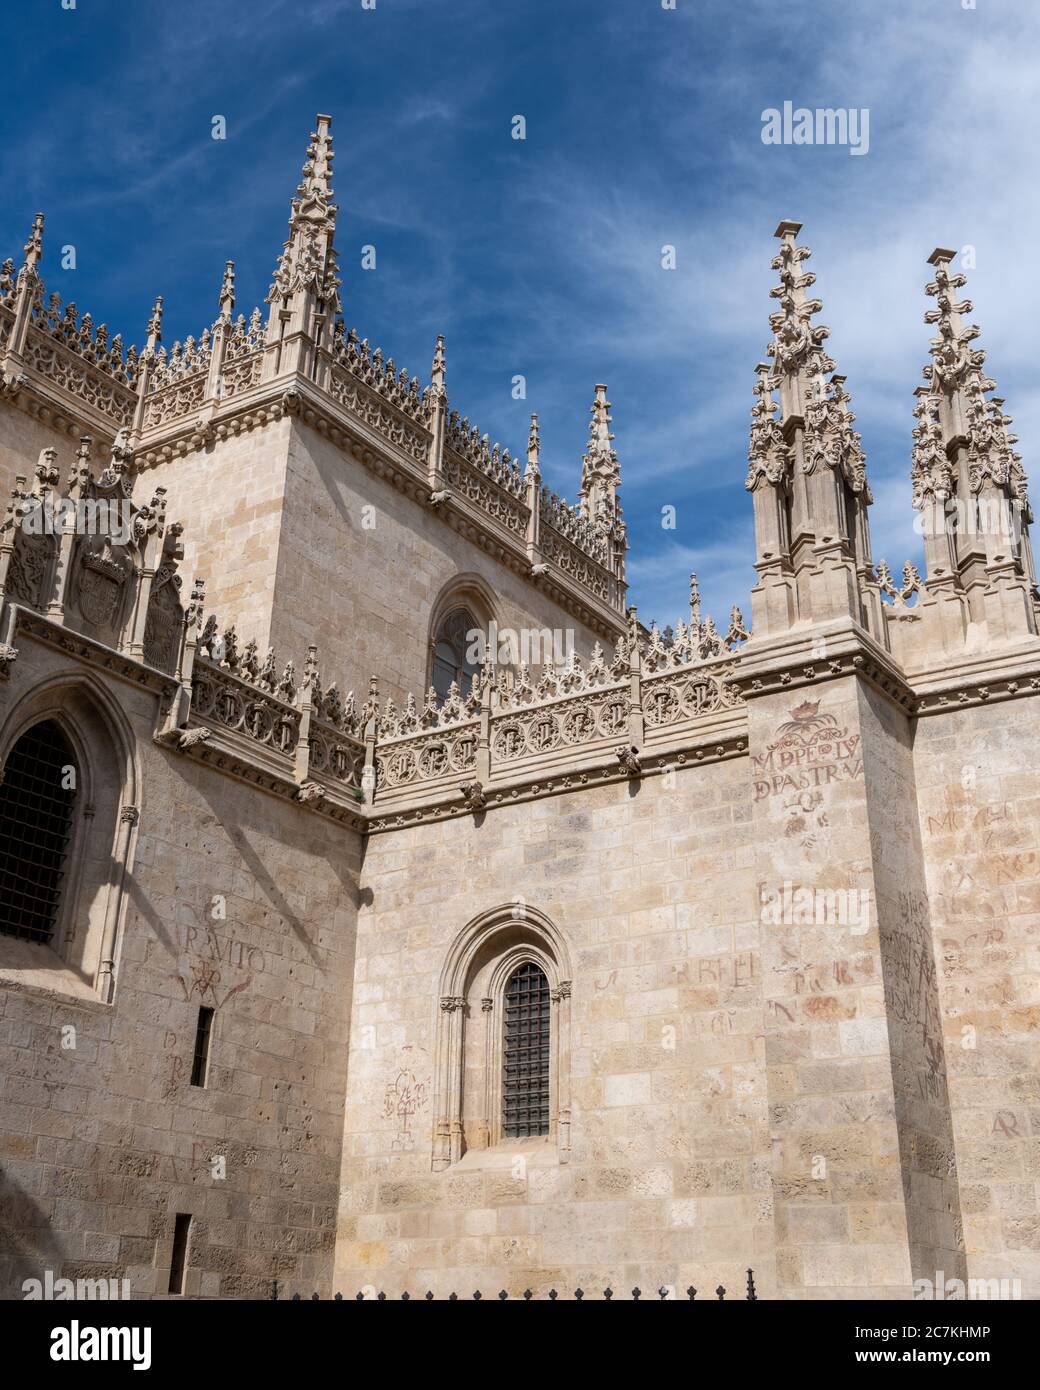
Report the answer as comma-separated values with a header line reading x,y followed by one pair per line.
x,y
912,1001
978,779
22,437
668,1179
230,499
361,565
839,1210
239,902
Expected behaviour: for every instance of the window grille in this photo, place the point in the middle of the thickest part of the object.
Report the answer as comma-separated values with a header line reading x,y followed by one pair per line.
x,y
35,829
526,1053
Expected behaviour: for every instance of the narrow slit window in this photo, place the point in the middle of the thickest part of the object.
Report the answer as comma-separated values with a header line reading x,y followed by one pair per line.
x,y
179,1260
37,798
525,1081
203,1036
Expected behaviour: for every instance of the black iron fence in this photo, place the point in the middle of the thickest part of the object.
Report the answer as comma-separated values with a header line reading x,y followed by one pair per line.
x,y
667,1291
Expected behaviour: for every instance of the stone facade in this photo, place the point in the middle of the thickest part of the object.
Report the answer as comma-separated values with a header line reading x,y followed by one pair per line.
x,y
780,885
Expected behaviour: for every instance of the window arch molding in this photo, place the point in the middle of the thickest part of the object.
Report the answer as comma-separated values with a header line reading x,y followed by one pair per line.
x,y
470,1019
103,830
468,593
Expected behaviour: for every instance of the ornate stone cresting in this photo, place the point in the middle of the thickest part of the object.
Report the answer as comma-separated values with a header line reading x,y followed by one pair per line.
x,y
969,484
807,472
516,723
195,375
57,355
308,734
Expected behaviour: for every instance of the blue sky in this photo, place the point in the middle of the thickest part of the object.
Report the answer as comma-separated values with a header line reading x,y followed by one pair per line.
x,y
543,257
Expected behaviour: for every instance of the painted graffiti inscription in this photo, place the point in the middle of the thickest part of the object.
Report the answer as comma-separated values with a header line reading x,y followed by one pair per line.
x,y
811,751
405,1096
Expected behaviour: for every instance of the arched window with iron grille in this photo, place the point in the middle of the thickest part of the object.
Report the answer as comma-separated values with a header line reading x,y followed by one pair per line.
x,y
526,1053
37,798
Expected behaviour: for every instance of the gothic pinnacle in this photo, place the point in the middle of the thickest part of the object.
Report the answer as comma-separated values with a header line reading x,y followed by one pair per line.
x,y
695,601
154,329
437,371
533,449
955,406
227,292
797,342
599,426
33,248
600,471
308,258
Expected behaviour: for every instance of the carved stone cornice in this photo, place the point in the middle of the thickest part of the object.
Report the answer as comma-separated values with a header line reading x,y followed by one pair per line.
x,y
33,395
221,752
977,680
788,663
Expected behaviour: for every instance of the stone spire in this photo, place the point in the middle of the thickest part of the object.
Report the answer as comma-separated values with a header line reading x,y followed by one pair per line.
x,y
600,471
304,295
807,470
308,260
969,483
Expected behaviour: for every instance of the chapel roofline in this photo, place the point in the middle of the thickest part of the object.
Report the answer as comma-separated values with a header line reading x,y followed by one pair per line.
x,y
241,372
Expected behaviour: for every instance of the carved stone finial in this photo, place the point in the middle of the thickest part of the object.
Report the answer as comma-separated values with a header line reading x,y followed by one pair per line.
x,y
122,455
154,329
33,248
534,448
438,370
227,292
193,612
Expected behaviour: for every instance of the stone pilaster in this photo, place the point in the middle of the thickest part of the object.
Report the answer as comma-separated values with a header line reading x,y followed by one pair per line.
x,y
861,1135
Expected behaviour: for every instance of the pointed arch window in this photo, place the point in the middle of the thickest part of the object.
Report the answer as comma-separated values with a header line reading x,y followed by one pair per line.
x,y
37,799
451,646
